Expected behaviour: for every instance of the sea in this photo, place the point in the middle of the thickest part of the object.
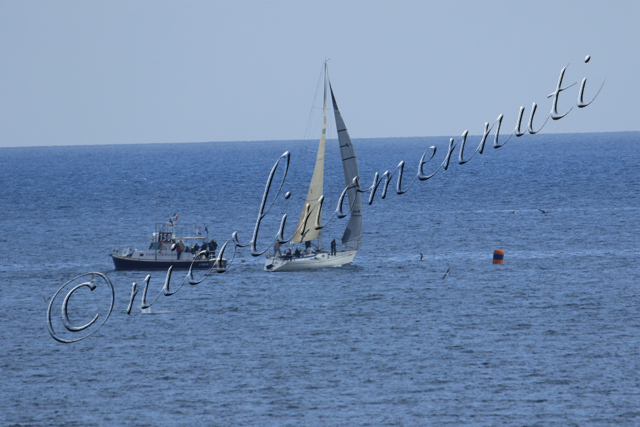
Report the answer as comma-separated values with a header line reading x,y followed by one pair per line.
x,y
551,337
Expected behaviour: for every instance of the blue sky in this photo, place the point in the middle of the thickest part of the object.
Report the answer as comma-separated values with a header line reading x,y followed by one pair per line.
x,y
157,71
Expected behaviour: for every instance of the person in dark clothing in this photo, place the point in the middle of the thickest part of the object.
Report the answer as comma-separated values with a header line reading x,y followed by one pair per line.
x,y
333,247
213,246
297,253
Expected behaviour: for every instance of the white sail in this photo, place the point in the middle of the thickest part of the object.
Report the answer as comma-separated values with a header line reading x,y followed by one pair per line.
x,y
305,230
353,233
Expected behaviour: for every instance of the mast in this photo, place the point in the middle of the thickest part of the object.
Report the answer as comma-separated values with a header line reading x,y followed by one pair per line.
x,y
155,251
305,230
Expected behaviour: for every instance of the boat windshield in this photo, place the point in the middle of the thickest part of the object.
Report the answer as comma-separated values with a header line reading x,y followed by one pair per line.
x,y
155,245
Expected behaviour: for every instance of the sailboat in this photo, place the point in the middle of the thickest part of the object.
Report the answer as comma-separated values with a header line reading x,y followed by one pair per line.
x,y
306,230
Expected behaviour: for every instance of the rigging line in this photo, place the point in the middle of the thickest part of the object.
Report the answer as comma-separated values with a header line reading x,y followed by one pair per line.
x,y
308,130
311,127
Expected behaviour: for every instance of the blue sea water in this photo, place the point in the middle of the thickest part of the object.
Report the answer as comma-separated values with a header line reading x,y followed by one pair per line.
x,y
550,338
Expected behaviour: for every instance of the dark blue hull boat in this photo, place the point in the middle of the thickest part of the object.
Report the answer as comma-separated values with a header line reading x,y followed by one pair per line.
x,y
128,263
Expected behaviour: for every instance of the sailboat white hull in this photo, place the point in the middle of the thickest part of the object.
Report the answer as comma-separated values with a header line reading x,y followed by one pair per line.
x,y
319,260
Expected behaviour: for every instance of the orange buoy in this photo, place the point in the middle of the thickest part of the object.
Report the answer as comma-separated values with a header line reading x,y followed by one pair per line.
x,y
498,256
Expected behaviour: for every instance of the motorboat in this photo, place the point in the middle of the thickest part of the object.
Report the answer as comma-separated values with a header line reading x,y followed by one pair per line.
x,y
168,249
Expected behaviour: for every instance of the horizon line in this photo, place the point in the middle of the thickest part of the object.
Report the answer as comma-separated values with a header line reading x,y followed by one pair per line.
x,y
288,140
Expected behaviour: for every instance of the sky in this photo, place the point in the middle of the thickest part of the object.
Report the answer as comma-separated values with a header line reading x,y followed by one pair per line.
x,y
120,72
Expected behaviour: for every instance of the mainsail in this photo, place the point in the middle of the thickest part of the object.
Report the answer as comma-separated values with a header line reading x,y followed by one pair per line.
x,y
353,234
